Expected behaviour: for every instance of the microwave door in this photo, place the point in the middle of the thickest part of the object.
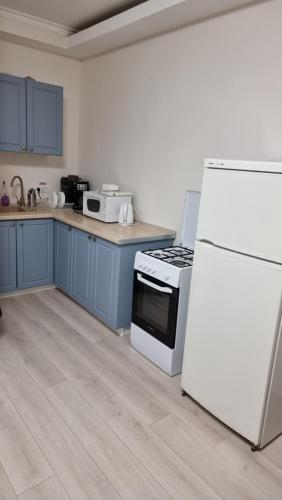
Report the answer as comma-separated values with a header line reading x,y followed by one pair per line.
x,y
93,205
155,308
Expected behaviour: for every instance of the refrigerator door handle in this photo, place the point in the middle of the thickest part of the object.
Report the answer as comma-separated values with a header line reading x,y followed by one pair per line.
x,y
208,242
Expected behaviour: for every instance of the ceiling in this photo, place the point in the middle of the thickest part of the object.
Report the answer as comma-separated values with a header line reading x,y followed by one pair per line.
x,y
75,14
86,28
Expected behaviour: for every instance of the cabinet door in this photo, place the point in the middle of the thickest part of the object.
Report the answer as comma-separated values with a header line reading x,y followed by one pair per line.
x,y
8,269
12,113
104,291
35,252
44,118
83,247
62,256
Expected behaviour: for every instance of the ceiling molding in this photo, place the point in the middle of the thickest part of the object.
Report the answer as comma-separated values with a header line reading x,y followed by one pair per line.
x,y
36,22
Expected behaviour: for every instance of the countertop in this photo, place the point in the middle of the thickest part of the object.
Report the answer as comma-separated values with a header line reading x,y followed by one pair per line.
x,y
113,232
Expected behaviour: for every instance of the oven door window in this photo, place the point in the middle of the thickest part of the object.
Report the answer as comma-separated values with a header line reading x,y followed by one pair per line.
x,y
93,205
155,308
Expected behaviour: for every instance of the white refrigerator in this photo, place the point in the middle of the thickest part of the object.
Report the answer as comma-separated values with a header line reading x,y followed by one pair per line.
x,y
233,350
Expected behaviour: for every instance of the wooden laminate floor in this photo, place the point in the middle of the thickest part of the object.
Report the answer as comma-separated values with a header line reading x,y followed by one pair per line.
x,y
83,417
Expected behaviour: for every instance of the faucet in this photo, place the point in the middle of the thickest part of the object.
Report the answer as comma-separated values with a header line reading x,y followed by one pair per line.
x,y
21,201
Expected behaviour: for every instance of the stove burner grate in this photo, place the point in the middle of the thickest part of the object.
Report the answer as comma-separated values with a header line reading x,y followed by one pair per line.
x,y
177,256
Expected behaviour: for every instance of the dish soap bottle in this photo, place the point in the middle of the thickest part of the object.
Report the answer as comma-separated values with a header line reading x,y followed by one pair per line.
x,y
5,200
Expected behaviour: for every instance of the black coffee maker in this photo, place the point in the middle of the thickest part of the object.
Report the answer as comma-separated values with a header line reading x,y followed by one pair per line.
x,y
73,188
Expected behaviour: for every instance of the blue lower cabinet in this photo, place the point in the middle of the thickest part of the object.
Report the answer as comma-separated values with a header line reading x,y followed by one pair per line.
x,y
104,282
63,256
112,282
8,256
83,251
94,272
34,253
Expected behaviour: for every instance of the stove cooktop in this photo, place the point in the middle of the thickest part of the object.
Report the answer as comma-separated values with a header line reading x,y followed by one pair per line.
x,y
177,256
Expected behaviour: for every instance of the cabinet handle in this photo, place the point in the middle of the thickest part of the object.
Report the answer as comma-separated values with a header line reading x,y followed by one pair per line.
x,y
23,148
89,236
30,149
94,238
12,224
69,228
21,223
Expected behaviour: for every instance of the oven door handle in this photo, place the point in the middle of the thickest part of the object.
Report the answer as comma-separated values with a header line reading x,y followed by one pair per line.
x,y
163,289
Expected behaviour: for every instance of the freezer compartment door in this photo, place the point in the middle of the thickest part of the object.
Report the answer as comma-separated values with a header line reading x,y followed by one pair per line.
x,y
241,211
233,317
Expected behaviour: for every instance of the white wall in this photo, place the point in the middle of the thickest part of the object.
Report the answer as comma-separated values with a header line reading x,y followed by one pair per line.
x,y
151,112
57,70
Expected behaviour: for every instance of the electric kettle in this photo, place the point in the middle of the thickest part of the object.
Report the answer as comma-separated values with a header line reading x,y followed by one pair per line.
x,y
125,214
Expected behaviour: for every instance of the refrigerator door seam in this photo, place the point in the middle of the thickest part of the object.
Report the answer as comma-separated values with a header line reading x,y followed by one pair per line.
x,y
237,252
244,170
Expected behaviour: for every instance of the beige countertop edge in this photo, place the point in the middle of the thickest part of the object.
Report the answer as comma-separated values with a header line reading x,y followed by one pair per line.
x,y
139,232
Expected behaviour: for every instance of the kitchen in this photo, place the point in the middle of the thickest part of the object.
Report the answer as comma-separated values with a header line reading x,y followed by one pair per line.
x,y
143,113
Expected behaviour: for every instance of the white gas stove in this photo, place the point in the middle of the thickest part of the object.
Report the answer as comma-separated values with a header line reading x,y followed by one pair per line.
x,y
165,264
161,292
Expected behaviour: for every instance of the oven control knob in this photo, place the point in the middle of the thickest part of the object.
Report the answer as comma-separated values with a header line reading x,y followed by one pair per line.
x,y
149,269
144,268
154,271
140,265
167,277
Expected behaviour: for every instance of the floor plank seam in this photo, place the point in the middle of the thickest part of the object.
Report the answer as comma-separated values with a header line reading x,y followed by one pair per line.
x,y
30,434
150,390
126,445
85,449
36,485
7,477
23,365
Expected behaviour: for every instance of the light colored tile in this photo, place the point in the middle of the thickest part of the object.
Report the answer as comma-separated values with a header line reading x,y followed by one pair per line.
x,y
88,326
20,456
119,379
73,466
30,328
175,476
6,490
147,441
33,359
254,466
165,394
129,477
48,490
206,461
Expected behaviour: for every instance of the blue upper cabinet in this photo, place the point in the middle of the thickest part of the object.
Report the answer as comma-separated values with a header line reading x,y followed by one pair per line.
x,y
12,113
31,116
44,118
34,252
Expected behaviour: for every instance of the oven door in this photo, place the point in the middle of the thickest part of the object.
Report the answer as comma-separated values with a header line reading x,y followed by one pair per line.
x,y
155,307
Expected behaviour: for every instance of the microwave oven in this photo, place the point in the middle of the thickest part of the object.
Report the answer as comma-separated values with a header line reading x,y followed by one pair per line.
x,y
104,205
